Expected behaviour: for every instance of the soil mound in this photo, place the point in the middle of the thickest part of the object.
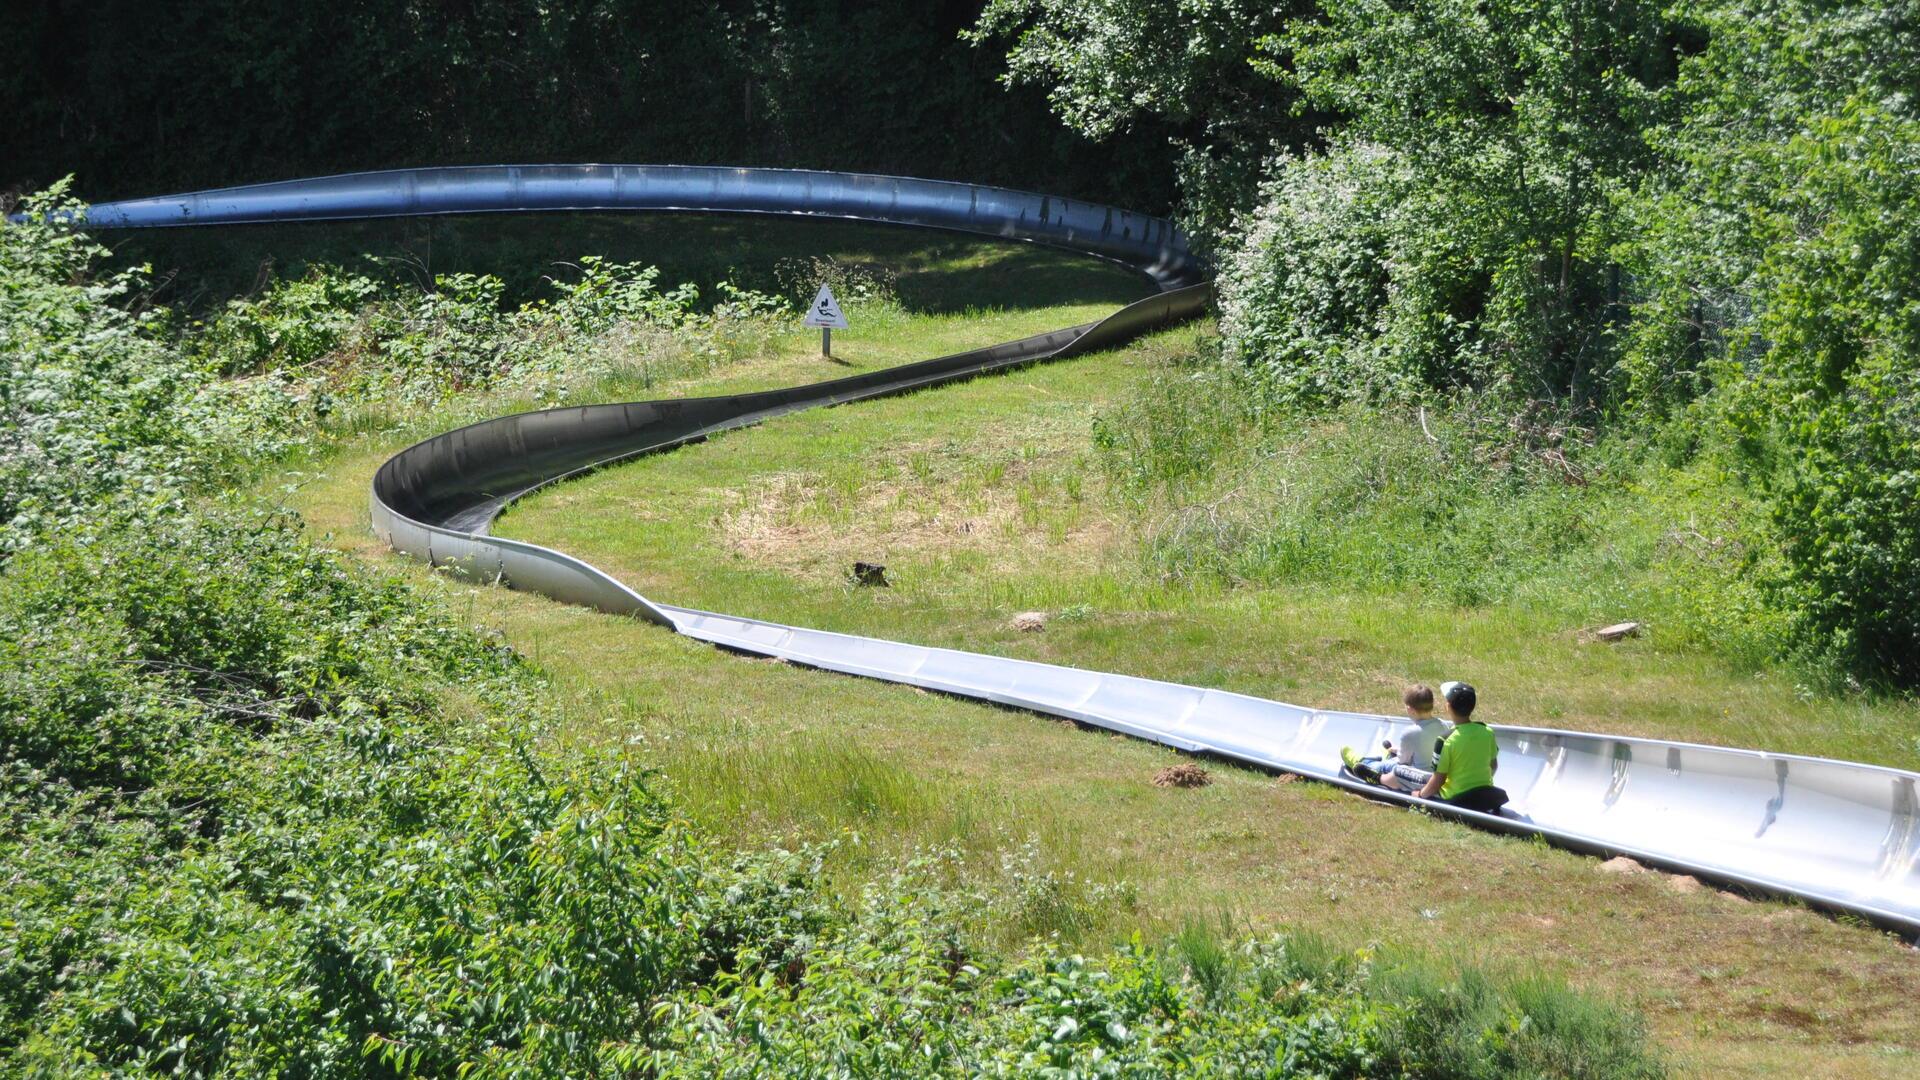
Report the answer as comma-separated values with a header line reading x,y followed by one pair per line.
x,y
1183,775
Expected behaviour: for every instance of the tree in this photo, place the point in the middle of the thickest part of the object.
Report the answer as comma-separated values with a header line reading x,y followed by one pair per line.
x,y
1182,71
1784,234
1514,126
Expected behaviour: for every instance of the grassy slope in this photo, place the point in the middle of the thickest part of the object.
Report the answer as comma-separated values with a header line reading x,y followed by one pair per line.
x,y
980,501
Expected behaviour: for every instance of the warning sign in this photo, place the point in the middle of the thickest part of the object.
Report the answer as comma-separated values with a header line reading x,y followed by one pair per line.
x,y
825,312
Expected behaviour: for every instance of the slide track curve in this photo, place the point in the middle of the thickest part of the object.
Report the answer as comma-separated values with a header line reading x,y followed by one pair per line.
x,y
1842,835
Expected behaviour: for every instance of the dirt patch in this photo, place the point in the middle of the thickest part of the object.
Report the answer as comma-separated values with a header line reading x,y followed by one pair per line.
x,y
1018,504
1028,622
1183,775
1620,864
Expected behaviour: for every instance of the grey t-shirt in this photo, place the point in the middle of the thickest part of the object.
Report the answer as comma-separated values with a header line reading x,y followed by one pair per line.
x,y
1415,747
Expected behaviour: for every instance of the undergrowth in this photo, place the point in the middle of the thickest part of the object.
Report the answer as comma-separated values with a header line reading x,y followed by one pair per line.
x,y
1466,505
358,352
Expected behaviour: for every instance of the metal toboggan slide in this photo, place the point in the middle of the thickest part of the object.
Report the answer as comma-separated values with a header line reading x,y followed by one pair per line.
x,y
1840,834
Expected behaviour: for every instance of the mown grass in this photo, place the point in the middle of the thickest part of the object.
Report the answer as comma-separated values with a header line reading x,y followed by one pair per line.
x,y
986,499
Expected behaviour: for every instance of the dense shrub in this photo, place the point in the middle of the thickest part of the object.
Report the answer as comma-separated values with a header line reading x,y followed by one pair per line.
x,y
1847,500
335,337
888,994
290,328
262,812
94,407
1308,296
1796,192
309,828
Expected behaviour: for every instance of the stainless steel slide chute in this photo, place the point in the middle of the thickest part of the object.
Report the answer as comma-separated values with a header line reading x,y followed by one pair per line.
x,y
1841,834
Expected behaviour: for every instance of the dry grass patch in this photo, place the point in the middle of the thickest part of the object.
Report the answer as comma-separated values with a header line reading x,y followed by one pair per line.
x,y
1021,505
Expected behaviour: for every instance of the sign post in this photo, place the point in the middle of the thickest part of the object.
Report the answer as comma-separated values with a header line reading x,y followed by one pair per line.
x,y
825,314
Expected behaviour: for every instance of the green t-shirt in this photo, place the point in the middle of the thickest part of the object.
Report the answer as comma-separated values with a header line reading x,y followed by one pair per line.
x,y
1467,758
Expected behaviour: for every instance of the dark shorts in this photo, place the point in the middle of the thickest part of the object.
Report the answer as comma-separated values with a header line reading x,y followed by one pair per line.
x,y
1486,800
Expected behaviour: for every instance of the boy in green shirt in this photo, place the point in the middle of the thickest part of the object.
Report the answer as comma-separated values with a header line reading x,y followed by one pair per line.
x,y
1463,773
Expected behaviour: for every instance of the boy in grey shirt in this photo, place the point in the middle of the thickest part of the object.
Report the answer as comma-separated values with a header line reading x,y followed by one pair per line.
x,y
1408,766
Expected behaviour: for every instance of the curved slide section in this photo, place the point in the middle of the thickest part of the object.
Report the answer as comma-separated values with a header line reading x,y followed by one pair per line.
x,y
1153,245
1840,834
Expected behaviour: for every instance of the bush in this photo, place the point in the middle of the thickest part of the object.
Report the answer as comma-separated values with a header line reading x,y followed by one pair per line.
x,y
1305,293
1839,405
309,850
1793,191
1290,1006
852,282
98,409
267,813
289,329
1849,505
335,337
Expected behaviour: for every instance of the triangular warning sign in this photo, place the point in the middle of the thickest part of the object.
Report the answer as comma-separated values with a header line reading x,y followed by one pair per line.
x,y
825,311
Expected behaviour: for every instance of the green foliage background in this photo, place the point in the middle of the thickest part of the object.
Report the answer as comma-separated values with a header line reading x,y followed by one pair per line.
x,y
135,99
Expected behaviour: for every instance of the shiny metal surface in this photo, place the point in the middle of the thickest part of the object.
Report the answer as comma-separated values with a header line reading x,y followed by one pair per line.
x,y
1841,834
1153,245
1838,833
